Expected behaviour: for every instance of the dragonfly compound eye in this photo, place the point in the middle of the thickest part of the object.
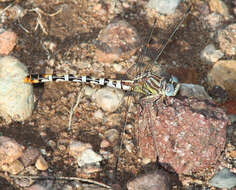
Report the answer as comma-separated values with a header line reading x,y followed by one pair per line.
x,y
169,91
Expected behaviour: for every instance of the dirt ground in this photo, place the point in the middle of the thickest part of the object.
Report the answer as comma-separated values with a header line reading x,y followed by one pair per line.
x,y
73,29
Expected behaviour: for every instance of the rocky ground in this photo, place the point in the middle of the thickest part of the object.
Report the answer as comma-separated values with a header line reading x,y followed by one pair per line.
x,y
76,37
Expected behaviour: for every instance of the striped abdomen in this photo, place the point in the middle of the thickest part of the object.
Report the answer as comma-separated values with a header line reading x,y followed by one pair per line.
x,y
120,84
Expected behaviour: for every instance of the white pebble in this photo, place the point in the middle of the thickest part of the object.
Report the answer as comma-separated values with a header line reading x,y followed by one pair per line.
x,y
88,157
164,6
98,114
117,67
109,99
88,91
16,97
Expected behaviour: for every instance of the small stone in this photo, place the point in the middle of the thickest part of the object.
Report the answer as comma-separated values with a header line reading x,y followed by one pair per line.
x,y
30,156
146,161
99,115
214,20
52,144
7,42
117,41
227,39
223,74
88,157
88,91
10,150
13,168
219,6
224,179
109,99
218,94
105,144
193,91
112,136
233,154
41,164
210,54
77,147
16,97
156,180
164,6
117,67
106,154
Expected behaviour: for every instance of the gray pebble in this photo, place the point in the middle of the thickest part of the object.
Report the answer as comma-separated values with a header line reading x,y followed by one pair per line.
x,y
211,54
223,179
193,90
109,99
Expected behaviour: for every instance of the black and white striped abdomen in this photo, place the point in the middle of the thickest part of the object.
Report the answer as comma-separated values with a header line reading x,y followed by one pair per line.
x,y
120,84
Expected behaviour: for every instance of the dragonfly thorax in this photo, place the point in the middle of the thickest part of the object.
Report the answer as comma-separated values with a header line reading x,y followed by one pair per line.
x,y
151,84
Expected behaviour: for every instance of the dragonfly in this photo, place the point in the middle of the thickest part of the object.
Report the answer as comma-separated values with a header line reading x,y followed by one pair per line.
x,y
147,83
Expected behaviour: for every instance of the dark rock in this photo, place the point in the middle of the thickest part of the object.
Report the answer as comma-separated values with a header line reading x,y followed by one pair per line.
x,y
30,156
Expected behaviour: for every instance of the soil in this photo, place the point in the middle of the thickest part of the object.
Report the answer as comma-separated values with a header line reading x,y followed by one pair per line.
x,y
73,31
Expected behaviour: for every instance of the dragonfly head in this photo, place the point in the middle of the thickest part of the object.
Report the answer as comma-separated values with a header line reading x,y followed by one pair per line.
x,y
172,86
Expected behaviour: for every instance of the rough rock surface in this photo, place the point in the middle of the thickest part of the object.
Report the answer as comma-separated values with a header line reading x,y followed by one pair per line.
x,y
219,6
227,39
16,97
117,41
211,54
7,42
189,134
223,74
109,99
10,150
156,180
29,156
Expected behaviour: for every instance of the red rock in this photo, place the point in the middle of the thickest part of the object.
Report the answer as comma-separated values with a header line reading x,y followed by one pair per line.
x,y
10,150
7,42
189,134
117,41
